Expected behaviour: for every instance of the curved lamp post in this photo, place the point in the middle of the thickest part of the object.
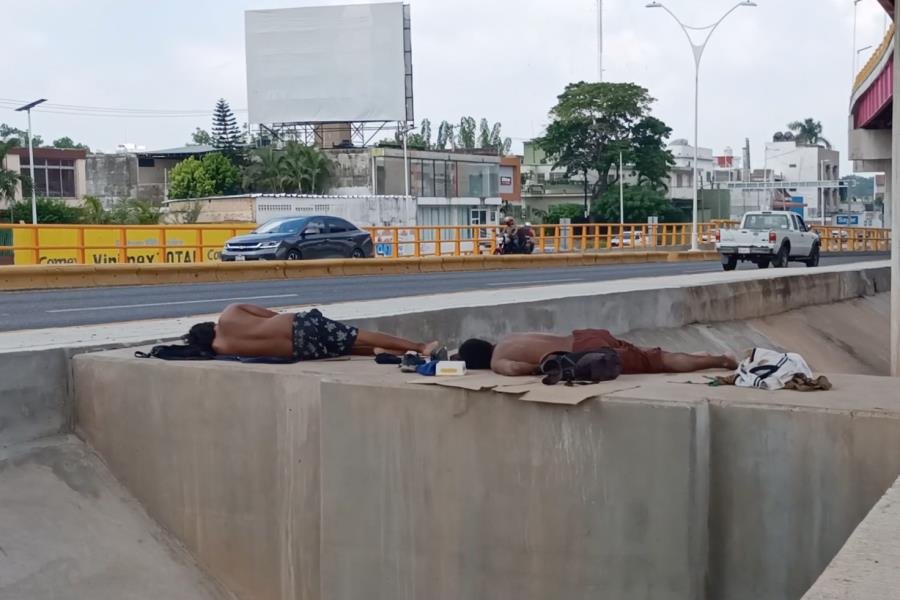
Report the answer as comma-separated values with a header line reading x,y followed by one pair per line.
x,y
698,54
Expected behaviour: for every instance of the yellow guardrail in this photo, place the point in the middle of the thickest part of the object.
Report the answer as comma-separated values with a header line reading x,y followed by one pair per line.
x,y
118,244
45,277
873,61
189,244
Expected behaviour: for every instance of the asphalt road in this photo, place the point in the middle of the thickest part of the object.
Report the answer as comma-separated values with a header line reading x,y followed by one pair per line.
x,y
63,308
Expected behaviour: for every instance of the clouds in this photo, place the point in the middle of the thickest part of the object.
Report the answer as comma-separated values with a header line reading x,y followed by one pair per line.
x,y
506,60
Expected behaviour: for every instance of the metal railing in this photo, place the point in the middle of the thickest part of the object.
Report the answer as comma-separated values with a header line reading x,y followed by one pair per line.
x,y
105,244
110,244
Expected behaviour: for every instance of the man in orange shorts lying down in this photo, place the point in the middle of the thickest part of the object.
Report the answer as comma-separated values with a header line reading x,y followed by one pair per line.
x,y
521,354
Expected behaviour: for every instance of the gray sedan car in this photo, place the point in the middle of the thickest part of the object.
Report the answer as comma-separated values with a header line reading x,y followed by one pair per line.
x,y
297,238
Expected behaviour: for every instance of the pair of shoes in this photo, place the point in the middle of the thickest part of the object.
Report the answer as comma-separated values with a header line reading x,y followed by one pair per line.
x,y
440,354
410,361
387,359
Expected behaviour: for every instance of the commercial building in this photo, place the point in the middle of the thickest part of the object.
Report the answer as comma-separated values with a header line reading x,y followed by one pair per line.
x,y
70,174
447,188
58,173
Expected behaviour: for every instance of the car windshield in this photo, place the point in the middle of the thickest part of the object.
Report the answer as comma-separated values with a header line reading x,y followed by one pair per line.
x,y
288,226
766,222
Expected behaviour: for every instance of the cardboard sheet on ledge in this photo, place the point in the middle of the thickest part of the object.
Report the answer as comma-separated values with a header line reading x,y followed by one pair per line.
x,y
530,389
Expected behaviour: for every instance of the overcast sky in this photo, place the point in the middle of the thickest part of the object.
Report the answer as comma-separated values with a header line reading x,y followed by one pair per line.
x,y
506,60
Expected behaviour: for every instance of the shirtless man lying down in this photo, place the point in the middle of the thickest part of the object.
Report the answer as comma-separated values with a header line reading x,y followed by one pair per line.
x,y
521,353
254,331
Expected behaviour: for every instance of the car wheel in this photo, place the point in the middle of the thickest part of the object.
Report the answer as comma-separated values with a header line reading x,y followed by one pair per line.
x,y
294,254
813,260
729,263
763,263
357,253
781,259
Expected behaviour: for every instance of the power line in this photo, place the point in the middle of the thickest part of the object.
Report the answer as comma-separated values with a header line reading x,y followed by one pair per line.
x,y
112,112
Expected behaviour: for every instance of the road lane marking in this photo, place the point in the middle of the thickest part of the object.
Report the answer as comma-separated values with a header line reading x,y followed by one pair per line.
x,y
176,303
536,281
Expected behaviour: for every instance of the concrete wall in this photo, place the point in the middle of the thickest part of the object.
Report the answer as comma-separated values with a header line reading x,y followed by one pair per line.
x,y
435,493
233,473
644,310
34,396
652,489
351,172
111,177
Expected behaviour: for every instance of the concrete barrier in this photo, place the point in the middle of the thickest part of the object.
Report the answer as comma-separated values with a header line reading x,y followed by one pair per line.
x,y
342,480
246,442
72,276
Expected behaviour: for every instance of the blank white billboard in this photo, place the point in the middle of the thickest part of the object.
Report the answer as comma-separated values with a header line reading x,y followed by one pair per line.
x,y
328,64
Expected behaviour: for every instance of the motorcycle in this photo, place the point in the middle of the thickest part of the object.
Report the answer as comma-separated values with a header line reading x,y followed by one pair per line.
x,y
508,245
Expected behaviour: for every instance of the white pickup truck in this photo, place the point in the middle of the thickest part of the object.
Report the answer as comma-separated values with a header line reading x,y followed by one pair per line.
x,y
769,237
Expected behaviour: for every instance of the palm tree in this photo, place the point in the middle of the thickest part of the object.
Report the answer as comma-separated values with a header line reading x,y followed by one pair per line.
x,y
9,180
809,131
93,211
304,169
263,173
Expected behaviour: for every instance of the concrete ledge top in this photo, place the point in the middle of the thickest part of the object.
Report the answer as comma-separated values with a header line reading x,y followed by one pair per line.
x,y
856,394
140,332
866,567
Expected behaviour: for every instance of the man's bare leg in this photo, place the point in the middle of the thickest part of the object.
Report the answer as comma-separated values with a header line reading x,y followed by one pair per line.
x,y
369,342
679,362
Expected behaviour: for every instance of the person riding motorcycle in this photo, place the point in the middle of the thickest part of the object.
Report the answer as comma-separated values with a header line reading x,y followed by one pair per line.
x,y
516,240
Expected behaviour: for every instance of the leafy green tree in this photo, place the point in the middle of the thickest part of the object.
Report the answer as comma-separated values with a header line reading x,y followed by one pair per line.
x,y
445,136
133,212
465,137
221,172
7,131
304,169
563,211
9,179
67,143
212,175
809,131
189,179
641,201
226,135
49,210
93,212
648,153
860,187
201,137
593,122
263,171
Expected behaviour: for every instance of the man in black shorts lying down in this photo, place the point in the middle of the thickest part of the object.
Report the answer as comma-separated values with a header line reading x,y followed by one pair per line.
x,y
254,331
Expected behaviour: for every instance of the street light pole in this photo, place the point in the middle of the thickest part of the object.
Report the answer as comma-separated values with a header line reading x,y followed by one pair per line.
x,y
27,108
621,192
697,50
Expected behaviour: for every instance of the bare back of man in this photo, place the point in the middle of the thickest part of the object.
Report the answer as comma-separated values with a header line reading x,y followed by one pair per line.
x,y
249,330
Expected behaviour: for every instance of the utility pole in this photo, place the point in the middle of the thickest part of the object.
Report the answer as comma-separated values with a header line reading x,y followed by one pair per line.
x,y
600,41
621,192
27,108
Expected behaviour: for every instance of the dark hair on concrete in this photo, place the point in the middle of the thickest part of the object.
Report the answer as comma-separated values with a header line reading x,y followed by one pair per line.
x,y
201,336
476,354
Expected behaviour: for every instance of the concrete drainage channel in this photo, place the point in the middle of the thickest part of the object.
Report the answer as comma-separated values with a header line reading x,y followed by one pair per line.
x,y
342,481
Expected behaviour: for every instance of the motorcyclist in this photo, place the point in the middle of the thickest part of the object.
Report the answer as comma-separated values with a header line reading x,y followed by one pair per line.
x,y
510,234
526,238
